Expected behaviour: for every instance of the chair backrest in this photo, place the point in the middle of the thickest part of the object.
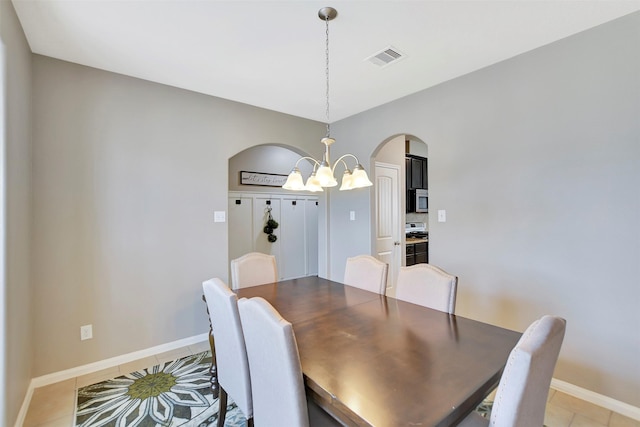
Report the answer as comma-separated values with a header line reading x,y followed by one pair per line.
x,y
253,269
276,375
232,366
366,272
429,286
522,393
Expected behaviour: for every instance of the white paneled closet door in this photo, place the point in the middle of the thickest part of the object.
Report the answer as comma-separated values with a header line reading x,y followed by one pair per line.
x,y
293,247
311,229
240,226
296,249
261,205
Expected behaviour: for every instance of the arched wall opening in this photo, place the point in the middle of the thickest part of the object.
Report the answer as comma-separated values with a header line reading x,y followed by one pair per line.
x,y
391,158
299,241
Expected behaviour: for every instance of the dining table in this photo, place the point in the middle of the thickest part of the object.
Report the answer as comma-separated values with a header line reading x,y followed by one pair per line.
x,y
372,360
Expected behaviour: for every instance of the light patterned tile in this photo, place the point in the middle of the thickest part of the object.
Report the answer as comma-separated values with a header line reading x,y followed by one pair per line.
x,y
98,376
555,416
138,365
172,355
580,407
51,402
65,421
583,421
618,420
199,347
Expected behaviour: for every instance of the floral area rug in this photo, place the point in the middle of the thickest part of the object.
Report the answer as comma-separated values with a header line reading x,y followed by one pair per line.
x,y
171,394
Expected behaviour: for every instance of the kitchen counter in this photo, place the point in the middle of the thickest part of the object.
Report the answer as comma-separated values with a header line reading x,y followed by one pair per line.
x,y
412,240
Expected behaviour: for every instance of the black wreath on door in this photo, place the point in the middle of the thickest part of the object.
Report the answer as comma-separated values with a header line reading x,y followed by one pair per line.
x,y
269,226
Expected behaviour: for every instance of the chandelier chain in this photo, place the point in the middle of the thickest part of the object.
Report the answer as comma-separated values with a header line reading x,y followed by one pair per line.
x,y
323,174
326,20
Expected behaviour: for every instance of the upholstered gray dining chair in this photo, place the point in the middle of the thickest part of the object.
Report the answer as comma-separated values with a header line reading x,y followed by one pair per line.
x,y
276,375
522,393
253,269
231,354
428,286
366,272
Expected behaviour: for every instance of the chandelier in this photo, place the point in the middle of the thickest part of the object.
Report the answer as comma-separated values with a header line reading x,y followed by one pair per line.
x,y
323,172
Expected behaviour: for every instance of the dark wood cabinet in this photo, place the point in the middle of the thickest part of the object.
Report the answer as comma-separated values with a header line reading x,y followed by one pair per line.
x,y
411,258
416,169
416,178
417,253
416,173
422,252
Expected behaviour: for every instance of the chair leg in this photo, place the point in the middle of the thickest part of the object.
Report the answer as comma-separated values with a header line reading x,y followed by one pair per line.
x,y
213,368
222,410
250,422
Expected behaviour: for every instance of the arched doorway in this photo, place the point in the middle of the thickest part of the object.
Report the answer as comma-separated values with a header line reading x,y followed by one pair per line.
x,y
299,215
391,199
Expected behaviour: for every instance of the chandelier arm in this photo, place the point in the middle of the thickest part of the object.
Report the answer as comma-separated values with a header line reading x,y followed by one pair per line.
x,y
316,163
343,162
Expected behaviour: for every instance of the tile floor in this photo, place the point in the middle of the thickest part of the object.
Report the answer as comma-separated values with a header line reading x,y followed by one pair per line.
x,y
53,405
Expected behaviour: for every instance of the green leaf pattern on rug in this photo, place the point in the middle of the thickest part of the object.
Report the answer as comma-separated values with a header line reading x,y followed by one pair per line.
x,y
152,385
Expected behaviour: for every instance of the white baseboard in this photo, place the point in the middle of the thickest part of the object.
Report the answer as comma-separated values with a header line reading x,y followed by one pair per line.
x,y
102,364
25,405
601,400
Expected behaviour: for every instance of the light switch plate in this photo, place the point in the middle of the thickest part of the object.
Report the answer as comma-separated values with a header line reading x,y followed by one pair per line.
x,y
219,216
352,215
442,215
86,332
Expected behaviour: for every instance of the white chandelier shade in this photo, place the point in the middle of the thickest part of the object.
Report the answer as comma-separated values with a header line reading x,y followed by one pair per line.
x,y
323,174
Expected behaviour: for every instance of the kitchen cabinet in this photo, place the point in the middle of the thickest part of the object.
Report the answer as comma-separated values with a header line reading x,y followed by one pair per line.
x,y
417,253
416,170
416,179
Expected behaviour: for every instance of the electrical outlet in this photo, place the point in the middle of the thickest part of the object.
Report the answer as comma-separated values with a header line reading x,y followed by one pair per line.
x,y
86,332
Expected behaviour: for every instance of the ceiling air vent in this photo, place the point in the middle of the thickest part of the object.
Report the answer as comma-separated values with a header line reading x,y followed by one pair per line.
x,y
386,56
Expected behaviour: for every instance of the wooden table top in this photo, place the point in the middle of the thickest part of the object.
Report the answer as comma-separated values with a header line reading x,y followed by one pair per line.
x,y
374,360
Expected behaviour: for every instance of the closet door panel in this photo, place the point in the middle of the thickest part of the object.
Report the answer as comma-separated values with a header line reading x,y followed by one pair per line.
x,y
293,242
261,207
240,219
311,232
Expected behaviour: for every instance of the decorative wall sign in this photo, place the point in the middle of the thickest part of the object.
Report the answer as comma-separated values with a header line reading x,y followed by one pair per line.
x,y
264,179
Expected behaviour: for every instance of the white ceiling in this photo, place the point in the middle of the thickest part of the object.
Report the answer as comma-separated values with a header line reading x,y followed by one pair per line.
x,y
271,53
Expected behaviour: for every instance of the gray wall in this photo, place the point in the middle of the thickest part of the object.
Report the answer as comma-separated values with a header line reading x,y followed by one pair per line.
x,y
127,175
16,342
537,162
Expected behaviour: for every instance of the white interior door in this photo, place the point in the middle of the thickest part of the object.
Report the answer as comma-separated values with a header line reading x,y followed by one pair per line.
x,y
388,227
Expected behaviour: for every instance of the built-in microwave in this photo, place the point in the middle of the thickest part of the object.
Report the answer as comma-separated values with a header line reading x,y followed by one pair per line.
x,y
421,200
